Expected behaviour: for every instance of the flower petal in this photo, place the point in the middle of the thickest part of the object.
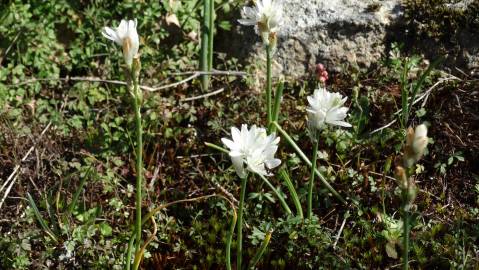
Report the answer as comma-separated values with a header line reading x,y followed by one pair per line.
x,y
229,143
122,29
238,164
340,123
236,134
111,35
272,163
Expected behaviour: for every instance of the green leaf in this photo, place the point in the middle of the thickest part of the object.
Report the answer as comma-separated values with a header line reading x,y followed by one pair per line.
x,y
391,250
226,25
105,229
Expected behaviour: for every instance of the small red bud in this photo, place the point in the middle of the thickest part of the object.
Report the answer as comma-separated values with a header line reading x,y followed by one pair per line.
x,y
321,73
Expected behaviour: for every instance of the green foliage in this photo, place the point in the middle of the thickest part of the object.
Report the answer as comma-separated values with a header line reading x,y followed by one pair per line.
x,y
304,245
89,212
454,158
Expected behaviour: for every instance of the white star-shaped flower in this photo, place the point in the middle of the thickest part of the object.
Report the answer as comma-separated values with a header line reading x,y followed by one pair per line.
x,y
254,148
326,108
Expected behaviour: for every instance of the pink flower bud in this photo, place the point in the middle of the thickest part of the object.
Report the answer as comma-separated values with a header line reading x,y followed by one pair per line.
x,y
321,73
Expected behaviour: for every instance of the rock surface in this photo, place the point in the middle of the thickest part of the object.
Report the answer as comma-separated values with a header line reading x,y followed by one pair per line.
x,y
342,33
334,32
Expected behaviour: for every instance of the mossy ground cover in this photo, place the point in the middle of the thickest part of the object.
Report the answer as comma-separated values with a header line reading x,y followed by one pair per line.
x,y
88,139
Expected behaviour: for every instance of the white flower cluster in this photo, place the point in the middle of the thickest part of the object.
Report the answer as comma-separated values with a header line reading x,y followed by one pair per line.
x,y
266,16
254,148
126,36
326,108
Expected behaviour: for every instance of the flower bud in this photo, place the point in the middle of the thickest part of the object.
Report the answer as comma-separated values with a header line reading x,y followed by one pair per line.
x,y
136,67
272,40
321,73
420,139
407,186
401,177
411,194
416,143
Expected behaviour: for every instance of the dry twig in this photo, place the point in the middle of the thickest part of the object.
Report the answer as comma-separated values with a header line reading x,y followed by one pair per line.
x,y
193,75
203,96
424,96
13,176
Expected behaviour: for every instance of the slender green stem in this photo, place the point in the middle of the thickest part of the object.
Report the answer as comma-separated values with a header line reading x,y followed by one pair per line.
x,y
139,162
283,174
268,84
311,181
239,240
308,162
230,239
216,147
211,28
280,197
406,240
128,252
205,43
406,224
277,104
404,94
387,167
261,250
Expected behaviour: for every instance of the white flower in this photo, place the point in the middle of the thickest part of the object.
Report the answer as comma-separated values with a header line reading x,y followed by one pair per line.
x,y
416,143
326,108
266,16
420,139
126,36
253,147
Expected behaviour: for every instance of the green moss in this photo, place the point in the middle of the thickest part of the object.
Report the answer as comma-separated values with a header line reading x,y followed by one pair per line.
x,y
441,19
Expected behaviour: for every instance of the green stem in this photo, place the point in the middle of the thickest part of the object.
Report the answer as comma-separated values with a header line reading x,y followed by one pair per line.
x,y
211,28
387,167
205,43
311,182
277,104
406,225
229,240
406,239
239,240
404,94
280,197
268,84
216,147
308,162
261,250
297,203
139,162
128,252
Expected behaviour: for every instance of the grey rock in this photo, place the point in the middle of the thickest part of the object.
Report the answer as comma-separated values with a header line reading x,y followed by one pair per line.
x,y
341,33
336,33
